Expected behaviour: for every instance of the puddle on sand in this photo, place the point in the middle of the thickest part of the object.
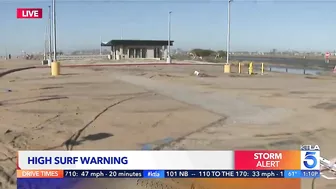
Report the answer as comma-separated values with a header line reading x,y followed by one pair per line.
x,y
152,145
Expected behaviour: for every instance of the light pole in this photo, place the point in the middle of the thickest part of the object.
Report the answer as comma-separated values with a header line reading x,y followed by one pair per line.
x,y
169,30
228,33
54,27
100,50
50,34
45,44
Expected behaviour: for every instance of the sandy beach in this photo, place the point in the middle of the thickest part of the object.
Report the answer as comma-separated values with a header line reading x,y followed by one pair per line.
x,y
161,107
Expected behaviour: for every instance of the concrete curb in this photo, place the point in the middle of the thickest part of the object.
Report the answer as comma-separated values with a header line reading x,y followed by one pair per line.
x,y
129,64
15,70
106,65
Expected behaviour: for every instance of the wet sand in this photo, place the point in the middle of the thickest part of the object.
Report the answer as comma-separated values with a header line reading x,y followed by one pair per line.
x,y
129,107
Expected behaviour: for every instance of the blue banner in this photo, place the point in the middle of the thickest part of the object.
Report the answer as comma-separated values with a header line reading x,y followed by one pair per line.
x,y
82,179
174,174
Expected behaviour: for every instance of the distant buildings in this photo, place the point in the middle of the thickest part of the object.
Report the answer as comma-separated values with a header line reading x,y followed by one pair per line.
x,y
130,49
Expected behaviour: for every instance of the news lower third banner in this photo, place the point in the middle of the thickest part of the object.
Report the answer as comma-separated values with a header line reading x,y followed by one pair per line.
x,y
185,183
167,164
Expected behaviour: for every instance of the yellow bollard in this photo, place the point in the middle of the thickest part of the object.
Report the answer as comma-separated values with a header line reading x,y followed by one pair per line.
x,y
227,68
250,71
262,68
239,67
55,68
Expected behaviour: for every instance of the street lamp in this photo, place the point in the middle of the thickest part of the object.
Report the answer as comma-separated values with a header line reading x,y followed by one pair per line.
x,y
45,45
169,30
54,27
228,34
100,49
50,34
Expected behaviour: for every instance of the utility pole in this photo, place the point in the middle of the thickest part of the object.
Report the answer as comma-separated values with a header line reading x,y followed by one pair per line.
x,y
54,27
228,33
169,31
45,44
50,34
100,46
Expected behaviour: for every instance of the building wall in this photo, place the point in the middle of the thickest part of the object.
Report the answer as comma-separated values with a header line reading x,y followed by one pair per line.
x,y
127,52
150,52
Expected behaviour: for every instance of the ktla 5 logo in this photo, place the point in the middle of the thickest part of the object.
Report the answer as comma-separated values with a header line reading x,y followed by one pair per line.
x,y
311,160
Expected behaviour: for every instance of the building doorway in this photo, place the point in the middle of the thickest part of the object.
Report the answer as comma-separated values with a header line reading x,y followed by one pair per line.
x,y
131,53
157,53
144,53
137,53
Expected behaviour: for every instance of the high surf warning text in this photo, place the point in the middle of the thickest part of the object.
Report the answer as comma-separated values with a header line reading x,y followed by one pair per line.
x,y
75,160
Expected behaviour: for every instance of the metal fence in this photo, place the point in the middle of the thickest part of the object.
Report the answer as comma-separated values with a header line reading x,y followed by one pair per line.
x,y
82,57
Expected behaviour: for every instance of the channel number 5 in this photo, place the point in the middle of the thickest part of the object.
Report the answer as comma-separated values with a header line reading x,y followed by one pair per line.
x,y
310,160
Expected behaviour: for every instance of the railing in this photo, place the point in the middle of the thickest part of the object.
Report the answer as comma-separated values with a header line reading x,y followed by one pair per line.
x,y
81,57
260,68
